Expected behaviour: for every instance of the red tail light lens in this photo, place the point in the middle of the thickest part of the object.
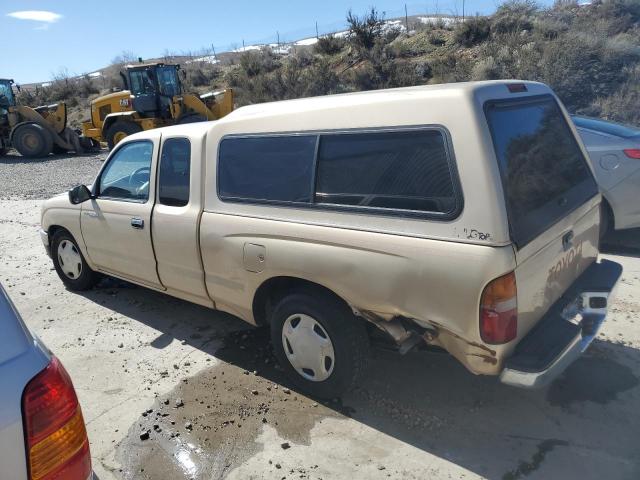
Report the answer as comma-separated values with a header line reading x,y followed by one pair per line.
x,y
499,310
56,438
633,153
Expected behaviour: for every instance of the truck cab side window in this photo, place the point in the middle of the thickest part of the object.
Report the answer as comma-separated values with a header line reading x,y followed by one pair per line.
x,y
174,175
126,176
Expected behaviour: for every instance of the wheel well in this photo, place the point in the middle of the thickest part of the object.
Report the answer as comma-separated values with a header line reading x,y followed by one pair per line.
x,y
609,212
276,288
53,229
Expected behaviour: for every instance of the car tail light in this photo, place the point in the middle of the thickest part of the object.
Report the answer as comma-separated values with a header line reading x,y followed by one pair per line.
x,y
56,438
499,310
633,153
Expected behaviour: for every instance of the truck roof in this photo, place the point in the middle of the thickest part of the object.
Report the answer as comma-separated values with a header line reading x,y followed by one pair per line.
x,y
369,104
372,96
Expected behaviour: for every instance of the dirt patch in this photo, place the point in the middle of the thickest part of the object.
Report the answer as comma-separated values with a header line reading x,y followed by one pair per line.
x,y
208,424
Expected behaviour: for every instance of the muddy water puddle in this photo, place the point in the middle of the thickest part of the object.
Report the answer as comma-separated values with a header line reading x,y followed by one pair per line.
x,y
209,423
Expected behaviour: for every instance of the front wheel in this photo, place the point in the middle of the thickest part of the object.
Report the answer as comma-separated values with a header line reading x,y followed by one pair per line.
x,y
70,264
119,131
322,347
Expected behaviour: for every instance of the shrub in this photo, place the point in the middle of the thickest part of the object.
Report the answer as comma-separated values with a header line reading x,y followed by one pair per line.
x,y
256,62
365,30
514,16
329,44
472,31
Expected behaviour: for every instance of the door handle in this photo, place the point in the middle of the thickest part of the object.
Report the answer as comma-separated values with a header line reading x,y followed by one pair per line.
x,y
137,222
91,214
567,240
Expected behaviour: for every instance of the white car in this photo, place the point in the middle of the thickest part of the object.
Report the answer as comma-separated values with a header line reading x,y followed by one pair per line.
x,y
42,431
615,156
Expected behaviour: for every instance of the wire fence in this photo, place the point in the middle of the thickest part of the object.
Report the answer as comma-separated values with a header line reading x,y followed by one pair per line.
x,y
404,17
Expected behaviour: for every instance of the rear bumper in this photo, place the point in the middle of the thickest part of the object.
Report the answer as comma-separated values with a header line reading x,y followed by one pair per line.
x,y
566,331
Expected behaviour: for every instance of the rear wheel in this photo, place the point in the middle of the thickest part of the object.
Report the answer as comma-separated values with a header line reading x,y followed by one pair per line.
x,y
322,347
119,131
69,263
32,140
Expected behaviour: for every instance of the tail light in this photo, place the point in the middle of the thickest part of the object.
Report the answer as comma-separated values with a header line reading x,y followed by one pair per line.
x,y
499,310
56,438
633,153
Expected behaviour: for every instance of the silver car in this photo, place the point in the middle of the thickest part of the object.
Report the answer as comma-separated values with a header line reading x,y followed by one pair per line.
x,y
615,155
42,431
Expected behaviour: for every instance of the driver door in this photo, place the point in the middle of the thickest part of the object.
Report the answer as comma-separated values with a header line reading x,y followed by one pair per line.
x,y
116,224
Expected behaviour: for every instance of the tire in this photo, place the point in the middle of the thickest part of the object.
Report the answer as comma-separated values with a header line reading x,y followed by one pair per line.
x,y
120,130
191,118
63,250
345,333
32,140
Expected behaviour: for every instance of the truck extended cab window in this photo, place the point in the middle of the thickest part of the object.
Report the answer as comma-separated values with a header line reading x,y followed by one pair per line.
x,y
127,174
173,181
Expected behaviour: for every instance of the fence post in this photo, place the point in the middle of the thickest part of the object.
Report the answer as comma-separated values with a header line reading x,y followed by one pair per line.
x,y
406,18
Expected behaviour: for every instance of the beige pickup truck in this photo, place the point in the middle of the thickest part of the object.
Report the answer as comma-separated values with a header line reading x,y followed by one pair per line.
x,y
462,216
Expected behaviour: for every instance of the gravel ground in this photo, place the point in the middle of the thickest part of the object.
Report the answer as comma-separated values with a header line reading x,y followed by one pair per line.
x,y
45,177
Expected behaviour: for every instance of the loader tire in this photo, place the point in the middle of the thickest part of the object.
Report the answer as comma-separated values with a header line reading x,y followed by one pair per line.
x,y
32,141
119,131
191,118
58,150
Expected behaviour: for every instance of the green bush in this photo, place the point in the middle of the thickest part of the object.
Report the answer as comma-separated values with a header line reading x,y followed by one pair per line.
x,y
365,30
514,16
472,31
329,44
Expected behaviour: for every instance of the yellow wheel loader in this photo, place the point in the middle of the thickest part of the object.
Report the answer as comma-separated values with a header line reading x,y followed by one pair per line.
x,y
35,132
153,97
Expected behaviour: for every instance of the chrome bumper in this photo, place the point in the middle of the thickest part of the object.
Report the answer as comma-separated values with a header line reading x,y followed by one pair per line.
x,y
566,331
44,236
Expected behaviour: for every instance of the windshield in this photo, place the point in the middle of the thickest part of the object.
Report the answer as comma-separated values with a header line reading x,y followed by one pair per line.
x,y
142,82
610,128
544,173
6,94
168,81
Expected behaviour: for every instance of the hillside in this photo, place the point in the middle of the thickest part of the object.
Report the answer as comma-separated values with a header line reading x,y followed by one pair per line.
x,y
590,55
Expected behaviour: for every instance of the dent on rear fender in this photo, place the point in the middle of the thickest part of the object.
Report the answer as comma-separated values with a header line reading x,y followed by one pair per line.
x,y
476,357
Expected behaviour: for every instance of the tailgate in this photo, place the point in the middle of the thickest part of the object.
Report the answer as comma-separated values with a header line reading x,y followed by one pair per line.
x,y
548,265
551,197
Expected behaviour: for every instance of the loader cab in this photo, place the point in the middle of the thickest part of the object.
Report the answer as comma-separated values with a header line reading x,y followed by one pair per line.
x,y
153,87
7,98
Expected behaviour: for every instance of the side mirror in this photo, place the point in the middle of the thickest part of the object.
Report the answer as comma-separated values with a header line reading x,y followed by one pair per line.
x,y
79,194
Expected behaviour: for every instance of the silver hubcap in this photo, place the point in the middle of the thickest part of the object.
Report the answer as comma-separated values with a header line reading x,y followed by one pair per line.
x,y
69,259
308,347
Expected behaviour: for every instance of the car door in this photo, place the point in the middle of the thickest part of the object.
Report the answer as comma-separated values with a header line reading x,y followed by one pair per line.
x,y
116,224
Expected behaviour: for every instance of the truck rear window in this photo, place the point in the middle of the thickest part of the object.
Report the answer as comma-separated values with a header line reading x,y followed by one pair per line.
x,y
544,173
